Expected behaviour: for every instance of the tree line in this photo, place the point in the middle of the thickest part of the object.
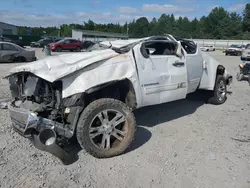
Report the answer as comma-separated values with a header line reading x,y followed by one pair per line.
x,y
219,24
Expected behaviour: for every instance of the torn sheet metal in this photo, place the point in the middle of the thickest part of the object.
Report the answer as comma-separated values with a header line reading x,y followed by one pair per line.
x,y
121,43
56,67
90,69
117,68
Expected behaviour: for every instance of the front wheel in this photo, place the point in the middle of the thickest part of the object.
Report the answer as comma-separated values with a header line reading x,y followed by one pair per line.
x,y
219,95
78,49
59,49
106,128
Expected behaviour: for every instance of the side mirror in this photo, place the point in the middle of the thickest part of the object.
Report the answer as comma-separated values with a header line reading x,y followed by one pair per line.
x,y
178,50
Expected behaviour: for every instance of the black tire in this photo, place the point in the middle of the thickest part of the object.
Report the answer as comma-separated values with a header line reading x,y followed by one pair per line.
x,y
226,54
59,49
89,115
20,59
214,49
78,49
207,50
217,98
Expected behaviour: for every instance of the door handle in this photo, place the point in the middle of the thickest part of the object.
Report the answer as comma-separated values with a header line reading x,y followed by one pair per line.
x,y
178,64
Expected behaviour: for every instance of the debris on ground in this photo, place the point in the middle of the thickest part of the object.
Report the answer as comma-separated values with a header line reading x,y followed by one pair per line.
x,y
241,140
3,105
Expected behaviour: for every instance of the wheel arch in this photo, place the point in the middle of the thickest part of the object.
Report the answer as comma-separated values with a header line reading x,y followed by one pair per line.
x,y
209,76
122,90
19,58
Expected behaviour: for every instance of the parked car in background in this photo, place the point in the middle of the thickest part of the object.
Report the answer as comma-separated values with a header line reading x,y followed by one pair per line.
x,y
66,44
234,49
17,42
10,52
56,40
87,44
246,53
207,48
42,42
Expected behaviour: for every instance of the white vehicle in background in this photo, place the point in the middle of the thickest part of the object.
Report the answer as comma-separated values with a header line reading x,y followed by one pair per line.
x,y
246,53
92,95
207,48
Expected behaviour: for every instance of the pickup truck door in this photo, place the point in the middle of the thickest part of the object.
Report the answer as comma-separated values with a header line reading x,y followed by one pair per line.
x,y
194,64
163,77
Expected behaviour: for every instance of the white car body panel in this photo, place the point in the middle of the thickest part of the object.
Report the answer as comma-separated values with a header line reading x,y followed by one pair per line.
x,y
194,69
155,79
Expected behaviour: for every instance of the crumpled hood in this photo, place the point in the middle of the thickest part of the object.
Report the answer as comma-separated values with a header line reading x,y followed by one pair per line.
x,y
53,68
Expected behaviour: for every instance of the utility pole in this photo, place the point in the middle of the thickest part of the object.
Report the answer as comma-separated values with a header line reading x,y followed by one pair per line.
x,y
127,29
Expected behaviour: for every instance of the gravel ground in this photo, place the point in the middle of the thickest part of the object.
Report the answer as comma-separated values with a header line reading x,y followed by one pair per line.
x,y
180,144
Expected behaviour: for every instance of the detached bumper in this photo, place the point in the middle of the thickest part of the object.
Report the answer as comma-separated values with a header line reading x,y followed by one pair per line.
x,y
23,120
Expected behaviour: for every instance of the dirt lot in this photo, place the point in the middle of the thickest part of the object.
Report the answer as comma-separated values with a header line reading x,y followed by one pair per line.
x,y
181,144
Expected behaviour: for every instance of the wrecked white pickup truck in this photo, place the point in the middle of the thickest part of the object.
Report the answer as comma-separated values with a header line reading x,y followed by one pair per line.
x,y
92,94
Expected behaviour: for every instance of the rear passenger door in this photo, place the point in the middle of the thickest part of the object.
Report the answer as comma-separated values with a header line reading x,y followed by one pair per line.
x,y
67,45
73,44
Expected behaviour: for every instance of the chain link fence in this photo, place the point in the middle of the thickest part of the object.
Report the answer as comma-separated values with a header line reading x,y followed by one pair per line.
x,y
221,44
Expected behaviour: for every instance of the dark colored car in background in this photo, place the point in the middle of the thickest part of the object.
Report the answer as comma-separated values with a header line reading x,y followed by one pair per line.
x,y
235,49
86,44
42,42
66,44
17,42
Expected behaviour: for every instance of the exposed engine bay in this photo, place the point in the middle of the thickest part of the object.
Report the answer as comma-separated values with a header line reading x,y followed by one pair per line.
x,y
37,95
38,112
44,99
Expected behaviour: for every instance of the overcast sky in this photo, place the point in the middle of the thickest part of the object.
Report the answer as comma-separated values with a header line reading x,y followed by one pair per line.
x,y
55,12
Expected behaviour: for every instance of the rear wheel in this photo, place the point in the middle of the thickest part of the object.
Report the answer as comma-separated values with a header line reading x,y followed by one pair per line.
x,y
106,128
78,49
20,59
219,95
59,49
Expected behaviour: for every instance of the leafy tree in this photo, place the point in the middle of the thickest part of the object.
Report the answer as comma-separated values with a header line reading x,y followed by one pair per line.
x,y
219,24
246,18
141,28
235,26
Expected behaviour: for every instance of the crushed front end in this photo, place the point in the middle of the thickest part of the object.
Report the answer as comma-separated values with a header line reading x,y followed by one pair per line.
x,y
38,112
